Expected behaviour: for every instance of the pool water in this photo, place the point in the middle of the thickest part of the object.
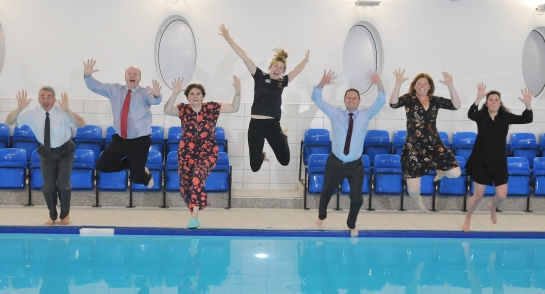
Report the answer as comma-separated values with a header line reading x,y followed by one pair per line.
x,y
70,263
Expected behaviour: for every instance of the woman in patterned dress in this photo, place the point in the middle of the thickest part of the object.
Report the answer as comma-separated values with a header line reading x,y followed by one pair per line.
x,y
198,150
487,164
423,150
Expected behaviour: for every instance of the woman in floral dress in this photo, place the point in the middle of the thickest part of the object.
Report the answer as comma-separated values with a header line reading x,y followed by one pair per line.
x,y
424,150
198,150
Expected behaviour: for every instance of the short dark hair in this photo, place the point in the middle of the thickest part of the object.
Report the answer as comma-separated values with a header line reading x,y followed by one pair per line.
x,y
191,86
352,89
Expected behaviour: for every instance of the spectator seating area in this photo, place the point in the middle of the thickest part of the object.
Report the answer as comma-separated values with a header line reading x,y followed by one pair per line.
x,y
20,164
383,174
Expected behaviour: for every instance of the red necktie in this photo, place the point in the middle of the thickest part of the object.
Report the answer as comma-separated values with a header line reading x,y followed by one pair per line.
x,y
125,115
348,135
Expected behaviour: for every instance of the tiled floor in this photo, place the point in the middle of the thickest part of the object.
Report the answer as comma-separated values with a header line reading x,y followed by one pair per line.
x,y
273,219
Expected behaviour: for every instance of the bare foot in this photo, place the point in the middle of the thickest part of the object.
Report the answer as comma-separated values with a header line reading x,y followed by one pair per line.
x,y
285,131
265,158
440,174
354,232
150,184
418,201
49,222
493,217
320,222
65,221
465,227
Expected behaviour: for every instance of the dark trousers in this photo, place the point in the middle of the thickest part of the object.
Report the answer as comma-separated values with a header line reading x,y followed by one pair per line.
x,y
56,165
335,171
131,154
261,129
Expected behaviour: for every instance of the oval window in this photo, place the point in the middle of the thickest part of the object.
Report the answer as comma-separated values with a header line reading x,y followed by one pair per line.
x,y
533,61
176,53
2,48
359,57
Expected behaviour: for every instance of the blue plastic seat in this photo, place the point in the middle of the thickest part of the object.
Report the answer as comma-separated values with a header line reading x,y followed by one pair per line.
x,y
173,140
455,186
462,143
90,137
219,179
427,185
4,136
316,141
155,166
444,138
157,139
220,139
388,176
36,180
376,142
519,172
541,143
399,142
172,179
538,176
315,172
83,170
524,145
366,188
116,181
13,165
24,138
110,131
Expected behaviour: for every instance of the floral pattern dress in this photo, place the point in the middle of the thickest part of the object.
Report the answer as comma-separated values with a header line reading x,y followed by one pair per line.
x,y
197,151
424,150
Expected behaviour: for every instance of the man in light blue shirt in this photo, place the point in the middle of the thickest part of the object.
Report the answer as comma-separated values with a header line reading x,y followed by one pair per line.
x,y
349,127
50,124
131,110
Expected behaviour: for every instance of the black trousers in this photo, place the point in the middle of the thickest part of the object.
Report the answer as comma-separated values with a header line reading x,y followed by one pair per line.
x,y
56,165
131,154
258,131
335,171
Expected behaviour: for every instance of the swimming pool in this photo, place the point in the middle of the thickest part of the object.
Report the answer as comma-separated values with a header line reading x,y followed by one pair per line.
x,y
204,263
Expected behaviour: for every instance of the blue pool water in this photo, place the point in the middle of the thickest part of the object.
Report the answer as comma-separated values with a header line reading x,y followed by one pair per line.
x,y
70,263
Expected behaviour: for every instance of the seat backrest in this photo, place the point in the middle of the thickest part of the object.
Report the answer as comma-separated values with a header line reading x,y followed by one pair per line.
x,y
172,158
110,131
377,136
23,131
366,163
444,138
84,156
463,139
89,131
220,134
399,137
35,157
523,140
13,155
223,162
539,166
157,133
316,135
154,158
316,163
4,131
542,141
461,161
387,161
174,134
517,163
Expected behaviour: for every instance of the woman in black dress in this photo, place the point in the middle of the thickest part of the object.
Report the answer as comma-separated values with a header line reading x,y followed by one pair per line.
x,y
265,122
487,164
424,150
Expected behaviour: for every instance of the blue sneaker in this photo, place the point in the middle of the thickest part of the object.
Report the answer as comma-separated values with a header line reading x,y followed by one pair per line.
x,y
193,223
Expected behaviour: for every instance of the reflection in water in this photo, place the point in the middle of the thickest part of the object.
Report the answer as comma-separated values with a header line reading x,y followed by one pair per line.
x,y
184,264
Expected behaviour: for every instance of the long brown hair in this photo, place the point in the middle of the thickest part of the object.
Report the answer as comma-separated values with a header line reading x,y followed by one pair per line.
x,y
418,77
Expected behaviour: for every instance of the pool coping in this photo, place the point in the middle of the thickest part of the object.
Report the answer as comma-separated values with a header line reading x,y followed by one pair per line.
x,y
271,233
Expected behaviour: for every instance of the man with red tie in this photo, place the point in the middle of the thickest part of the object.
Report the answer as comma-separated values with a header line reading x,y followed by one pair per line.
x,y
349,127
131,110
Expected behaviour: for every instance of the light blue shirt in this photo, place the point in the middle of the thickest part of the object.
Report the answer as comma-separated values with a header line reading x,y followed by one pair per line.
x,y
59,122
140,118
339,124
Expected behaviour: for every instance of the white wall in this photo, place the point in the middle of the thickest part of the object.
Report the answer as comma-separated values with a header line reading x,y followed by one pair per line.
x,y
477,41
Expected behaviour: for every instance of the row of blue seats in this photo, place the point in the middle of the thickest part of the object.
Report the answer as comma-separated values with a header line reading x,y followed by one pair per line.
x,y
15,171
90,137
317,141
116,262
386,178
